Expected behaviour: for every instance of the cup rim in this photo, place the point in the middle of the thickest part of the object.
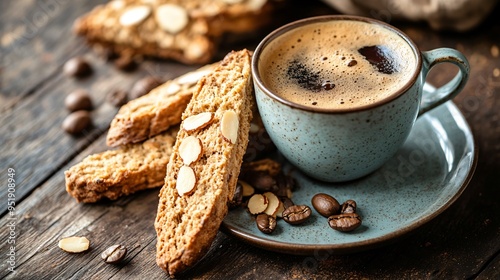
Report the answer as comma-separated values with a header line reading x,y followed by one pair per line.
x,y
295,24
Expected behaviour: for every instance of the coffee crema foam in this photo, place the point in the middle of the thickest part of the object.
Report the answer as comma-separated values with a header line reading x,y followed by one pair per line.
x,y
339,64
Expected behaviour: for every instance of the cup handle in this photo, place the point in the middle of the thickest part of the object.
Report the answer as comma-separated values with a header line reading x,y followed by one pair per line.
x,y
430,100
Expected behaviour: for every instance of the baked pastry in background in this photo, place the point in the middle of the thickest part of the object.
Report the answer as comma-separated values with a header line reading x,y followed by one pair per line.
x,y
188,31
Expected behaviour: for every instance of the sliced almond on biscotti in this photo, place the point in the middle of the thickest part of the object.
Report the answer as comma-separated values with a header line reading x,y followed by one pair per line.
x,y
197,121
186,180
171,18
229,126
155,112
134,15
186,225
190,149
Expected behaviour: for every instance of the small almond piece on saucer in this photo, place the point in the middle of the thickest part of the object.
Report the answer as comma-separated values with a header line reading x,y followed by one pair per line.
x,y
247,189
257,204
273,204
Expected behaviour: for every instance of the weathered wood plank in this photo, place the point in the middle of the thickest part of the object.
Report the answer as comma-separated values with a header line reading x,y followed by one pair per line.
x,y
36,40
33,142
462,243
49,214
31,139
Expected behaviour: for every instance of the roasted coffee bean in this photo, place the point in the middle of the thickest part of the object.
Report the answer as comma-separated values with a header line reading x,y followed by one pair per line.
x,y
126,63
285,184
344,222
143,86
268,165
78,100
237,197
325,204
114,254
117,98
296,214
287,202
348,207
265,223
77,67
259,143
76,122
261,180
109,55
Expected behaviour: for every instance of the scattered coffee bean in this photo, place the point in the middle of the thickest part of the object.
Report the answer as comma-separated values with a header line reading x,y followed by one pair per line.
x,y
285,185
261,180
109,54
77,67
237,197
287,202
114,254
325,204
78,100
344,222
143,86
126,63
265,223
270,166
296,214
348,207
259,143
117,98
76,122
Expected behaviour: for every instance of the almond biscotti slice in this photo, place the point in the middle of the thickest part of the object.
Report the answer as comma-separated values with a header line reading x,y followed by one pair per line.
x,y
203,170
184,30
121,171
155,112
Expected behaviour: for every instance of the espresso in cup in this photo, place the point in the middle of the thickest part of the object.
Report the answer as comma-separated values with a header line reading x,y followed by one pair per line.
x,y
339,95
337,64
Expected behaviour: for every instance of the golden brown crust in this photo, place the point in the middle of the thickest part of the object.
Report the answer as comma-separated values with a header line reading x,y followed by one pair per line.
x,y
128,169
155,112
186,225
208,21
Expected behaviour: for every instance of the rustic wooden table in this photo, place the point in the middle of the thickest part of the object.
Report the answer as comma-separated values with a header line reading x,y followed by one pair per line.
x,y
36,40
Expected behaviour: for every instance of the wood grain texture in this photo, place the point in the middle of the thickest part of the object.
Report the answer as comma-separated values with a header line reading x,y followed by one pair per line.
x,y
461,243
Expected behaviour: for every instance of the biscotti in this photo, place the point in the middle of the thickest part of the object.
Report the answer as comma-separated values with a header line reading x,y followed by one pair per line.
x,y
155,112
122,171
204,166
184,30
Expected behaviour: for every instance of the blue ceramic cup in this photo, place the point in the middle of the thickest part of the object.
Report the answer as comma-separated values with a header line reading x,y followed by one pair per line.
x,y
345,143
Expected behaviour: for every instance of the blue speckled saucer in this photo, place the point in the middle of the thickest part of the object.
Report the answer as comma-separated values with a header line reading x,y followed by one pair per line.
x,y
426,176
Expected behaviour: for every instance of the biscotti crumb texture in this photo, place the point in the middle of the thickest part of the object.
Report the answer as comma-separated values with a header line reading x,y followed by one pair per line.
x,y
187,224
122,171
155,112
